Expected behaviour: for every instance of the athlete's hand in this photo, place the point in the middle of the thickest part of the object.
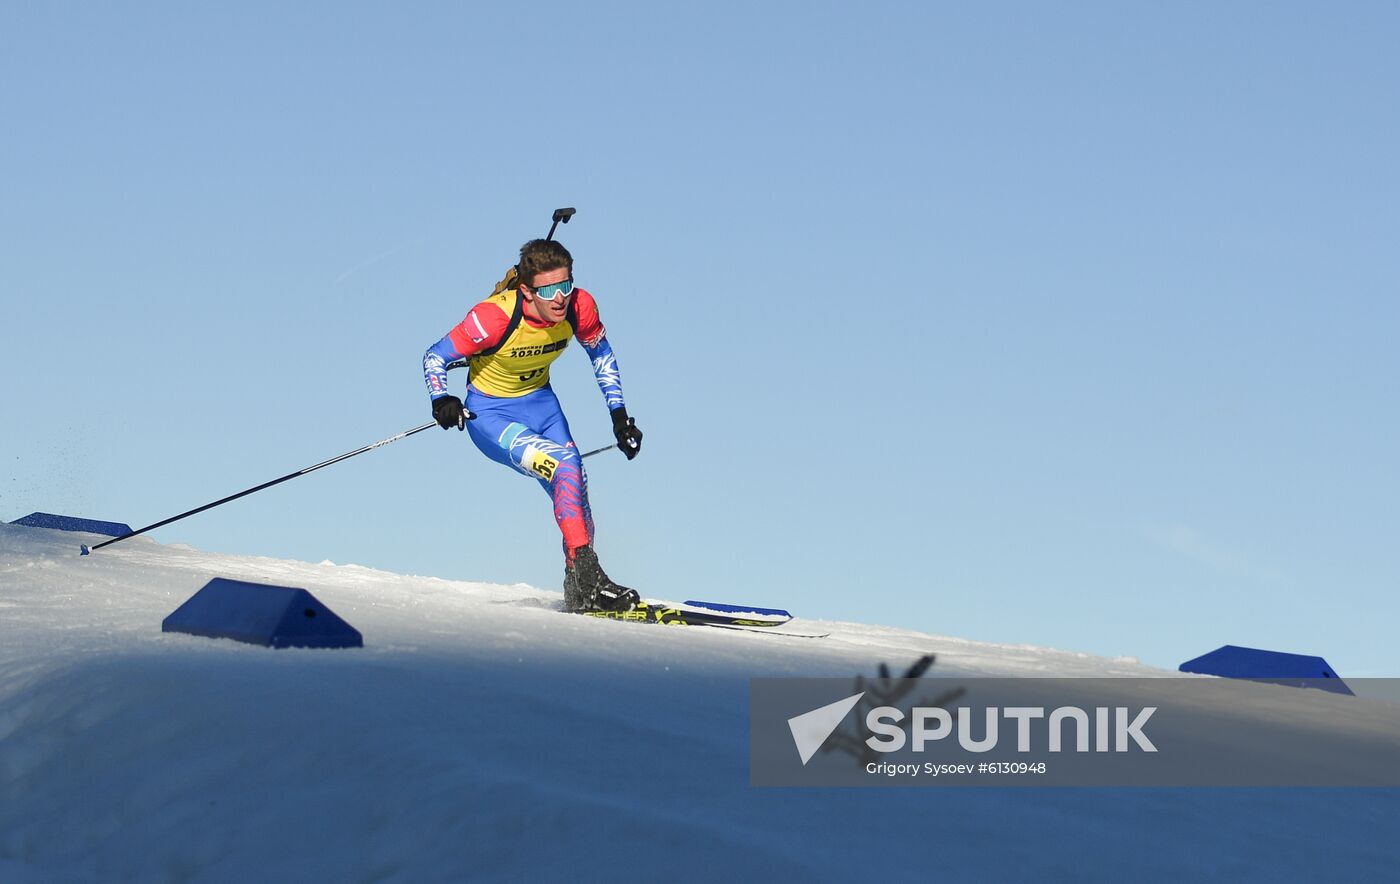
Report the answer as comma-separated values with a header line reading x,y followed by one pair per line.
x,y
629,438
449,413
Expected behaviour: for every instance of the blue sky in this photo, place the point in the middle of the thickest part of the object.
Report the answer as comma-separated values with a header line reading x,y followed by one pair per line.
x,y
1070,326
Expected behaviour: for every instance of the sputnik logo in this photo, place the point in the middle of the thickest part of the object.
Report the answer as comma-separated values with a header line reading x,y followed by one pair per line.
x,y
810,729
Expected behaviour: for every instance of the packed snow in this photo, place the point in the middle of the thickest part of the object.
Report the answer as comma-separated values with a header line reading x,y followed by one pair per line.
x,y
482,735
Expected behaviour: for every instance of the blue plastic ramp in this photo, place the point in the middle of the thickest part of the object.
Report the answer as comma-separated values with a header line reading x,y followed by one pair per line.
x,y
274,616
1296,670
73,523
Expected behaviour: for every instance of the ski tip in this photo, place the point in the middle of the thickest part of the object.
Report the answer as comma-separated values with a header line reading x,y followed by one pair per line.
x,y
739,609
85,550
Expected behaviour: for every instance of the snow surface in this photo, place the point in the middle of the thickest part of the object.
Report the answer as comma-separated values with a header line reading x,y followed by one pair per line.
x,y
481,735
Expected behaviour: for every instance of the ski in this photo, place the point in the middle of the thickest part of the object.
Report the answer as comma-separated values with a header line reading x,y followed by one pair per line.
x,y
670,615
735,617
741,609
778,632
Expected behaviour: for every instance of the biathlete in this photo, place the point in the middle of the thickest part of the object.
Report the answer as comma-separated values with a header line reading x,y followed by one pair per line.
x,y
509,341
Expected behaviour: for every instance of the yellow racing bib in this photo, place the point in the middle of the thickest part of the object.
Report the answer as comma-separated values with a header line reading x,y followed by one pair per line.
x,y
520,364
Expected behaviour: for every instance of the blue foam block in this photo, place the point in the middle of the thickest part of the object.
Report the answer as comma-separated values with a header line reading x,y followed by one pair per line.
x,y
274,616
1297,670
73,523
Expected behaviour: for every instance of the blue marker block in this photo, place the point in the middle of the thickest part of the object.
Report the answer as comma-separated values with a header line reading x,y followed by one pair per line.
x,y
1295,670
72,523
259,614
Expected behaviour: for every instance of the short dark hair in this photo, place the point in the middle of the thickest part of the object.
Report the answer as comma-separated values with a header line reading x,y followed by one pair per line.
x,y
541,256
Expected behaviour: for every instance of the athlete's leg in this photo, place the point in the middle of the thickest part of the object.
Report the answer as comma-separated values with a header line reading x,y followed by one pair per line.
x,y
573,485
530,434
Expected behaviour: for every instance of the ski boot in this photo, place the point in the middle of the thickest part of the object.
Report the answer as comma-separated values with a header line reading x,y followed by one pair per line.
x,y
574,601
588,588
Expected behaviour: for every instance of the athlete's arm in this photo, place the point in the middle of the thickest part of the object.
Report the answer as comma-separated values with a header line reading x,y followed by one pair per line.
x,y
483,328
594,338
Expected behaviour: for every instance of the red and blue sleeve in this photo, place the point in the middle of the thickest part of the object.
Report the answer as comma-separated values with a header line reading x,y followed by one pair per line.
x,y
594,338
483,328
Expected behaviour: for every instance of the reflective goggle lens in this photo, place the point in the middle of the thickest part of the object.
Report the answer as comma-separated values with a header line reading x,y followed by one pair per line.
x,y
554,290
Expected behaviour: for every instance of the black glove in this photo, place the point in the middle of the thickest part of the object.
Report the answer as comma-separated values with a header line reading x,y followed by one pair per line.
x,y
629,438
449,413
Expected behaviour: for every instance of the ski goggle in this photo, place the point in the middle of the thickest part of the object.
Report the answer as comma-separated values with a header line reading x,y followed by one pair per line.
x,y
554,290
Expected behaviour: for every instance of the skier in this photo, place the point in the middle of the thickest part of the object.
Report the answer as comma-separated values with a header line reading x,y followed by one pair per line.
x,y
512,414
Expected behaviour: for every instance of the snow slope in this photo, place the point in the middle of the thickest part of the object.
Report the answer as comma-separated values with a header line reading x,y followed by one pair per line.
x,y
480,735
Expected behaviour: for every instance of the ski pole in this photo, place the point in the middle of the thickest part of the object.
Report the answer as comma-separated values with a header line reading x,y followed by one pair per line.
x,y
597,451
209,506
